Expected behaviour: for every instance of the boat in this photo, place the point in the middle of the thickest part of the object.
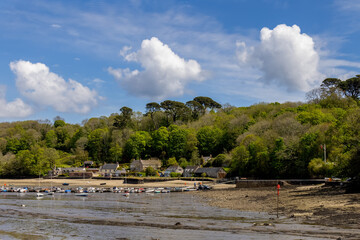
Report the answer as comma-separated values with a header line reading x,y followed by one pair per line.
x,y
83,194
149,190
38,194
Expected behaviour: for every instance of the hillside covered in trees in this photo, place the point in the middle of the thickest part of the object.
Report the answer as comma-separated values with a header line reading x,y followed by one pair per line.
x,y
266,140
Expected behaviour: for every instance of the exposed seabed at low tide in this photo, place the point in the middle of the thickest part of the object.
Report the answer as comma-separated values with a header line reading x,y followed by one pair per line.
x,y
143,216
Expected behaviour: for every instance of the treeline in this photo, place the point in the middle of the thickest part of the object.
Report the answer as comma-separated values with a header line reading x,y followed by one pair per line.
x,y
263,141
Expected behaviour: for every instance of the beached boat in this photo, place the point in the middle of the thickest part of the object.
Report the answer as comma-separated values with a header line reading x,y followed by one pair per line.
x,y
39,194
149,190
83,194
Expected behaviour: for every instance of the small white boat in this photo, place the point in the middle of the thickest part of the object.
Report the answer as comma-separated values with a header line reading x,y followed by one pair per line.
x,y
81,194
150,190
126,194
38,194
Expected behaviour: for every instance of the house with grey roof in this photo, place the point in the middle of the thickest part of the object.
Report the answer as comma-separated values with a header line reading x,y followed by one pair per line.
x,y
108,169
141,165
189,171
171,169
214,172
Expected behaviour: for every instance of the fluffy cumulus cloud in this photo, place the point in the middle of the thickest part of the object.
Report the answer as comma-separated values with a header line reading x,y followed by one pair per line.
x,y
38,84
285,56
16,108
164,73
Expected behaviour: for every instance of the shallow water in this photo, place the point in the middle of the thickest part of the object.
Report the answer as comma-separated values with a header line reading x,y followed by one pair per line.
x,y
141,216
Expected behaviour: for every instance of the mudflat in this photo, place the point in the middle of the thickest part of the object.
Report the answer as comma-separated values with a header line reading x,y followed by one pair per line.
x,y
316,204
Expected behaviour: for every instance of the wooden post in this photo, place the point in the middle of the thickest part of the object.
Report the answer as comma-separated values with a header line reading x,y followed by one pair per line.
x,y
277,202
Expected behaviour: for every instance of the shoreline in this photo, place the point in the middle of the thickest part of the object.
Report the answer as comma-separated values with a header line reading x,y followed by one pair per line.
x,y
315,204
46,183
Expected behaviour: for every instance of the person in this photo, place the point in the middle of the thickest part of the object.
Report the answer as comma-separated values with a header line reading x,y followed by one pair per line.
x,y
194,184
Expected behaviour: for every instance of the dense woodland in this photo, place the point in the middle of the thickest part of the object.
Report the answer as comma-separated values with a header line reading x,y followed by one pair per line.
x,y
265,140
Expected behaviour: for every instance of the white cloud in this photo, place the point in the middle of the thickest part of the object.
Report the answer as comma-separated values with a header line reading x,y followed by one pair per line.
x,y
285,56
38,84
165,74
55,26
16,108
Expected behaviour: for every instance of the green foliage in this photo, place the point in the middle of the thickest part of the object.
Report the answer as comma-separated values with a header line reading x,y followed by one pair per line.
x,y
171,162
175,174
318,168
137,145
183,162
124,119
149,171
219,160
209,140
262,141
59,123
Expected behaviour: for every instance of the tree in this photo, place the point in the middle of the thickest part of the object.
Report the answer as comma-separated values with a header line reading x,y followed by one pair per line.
x,y
177,142
351,87
330,85
151,109
137,145
175,110
209,140
219,160
171,162
160,142
239,161
98,145
196,109
207,102
149,171
116,153
124,119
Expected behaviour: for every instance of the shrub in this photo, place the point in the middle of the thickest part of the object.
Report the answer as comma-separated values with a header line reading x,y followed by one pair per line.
x,y
175,174
149,171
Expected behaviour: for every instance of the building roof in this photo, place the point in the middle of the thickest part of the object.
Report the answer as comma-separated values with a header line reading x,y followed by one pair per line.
x,y
110,166
150,162
208,171
191,168
174,168
72,169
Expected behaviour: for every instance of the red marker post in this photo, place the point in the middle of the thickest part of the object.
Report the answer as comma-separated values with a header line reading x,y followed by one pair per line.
x,y
277,202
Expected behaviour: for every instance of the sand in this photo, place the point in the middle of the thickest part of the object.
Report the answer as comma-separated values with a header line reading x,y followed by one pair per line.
x,y
314,204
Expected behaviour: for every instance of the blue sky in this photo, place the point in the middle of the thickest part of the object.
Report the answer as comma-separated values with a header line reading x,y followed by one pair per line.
x,y
83,59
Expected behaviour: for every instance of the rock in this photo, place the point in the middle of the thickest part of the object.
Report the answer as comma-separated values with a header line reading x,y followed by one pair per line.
x,y
339,238
178,224
292,216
